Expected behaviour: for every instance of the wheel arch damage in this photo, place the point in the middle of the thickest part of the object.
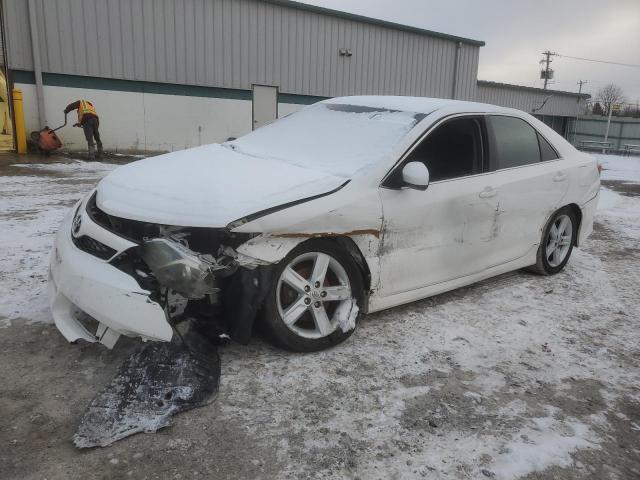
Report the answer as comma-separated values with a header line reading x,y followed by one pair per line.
x,y
352,220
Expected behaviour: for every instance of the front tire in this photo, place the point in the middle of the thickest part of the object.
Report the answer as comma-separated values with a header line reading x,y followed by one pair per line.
x,y
556,245
314,298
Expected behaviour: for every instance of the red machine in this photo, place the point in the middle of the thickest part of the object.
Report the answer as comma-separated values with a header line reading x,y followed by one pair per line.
x,y
47,139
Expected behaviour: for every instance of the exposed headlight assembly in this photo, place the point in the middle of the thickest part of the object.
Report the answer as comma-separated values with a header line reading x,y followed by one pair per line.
x,y
179,268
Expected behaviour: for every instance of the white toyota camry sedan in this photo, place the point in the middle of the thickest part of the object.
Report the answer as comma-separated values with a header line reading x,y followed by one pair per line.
x,y
349,206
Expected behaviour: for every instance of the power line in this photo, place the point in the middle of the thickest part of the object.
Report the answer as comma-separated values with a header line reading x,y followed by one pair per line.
x,y
600,61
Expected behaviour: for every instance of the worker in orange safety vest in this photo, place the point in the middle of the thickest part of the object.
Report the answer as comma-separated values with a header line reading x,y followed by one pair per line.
x,y
89,121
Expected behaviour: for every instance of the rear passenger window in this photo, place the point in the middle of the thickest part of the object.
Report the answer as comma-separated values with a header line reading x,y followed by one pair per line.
x,y
515,143
546,150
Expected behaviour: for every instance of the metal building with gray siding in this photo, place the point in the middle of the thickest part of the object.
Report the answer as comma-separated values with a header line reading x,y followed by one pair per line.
x,y
553,107
196,64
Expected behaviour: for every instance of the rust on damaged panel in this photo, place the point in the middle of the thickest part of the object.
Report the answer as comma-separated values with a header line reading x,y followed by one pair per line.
x,y
375,233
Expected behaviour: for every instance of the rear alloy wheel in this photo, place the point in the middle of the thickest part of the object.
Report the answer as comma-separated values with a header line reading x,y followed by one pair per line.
x,y
557,242
313,301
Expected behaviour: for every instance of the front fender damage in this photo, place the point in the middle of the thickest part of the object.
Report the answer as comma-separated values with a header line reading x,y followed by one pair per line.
x,y
222,285
270,249
223,288
246,290
215,276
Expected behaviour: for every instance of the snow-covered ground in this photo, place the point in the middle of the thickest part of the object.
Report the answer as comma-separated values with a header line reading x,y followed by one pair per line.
x,y
520,376
34,199
618,211
618,167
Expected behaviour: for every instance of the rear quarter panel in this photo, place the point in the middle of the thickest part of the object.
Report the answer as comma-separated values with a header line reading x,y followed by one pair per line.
x,y
582,168
584,191
583,176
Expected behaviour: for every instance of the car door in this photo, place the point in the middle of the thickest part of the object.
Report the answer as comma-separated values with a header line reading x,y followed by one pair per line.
x,y
531,181
444,232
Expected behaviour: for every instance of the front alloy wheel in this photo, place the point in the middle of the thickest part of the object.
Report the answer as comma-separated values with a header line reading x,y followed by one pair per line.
x,y
313,302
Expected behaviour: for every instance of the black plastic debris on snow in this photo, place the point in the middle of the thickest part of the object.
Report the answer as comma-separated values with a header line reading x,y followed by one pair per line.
x,y
154,383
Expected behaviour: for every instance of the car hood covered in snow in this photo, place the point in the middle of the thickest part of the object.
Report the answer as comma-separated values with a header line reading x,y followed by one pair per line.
x,y
208,186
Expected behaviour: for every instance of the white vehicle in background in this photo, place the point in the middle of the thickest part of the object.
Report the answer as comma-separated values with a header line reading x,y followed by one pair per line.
x,y
349,206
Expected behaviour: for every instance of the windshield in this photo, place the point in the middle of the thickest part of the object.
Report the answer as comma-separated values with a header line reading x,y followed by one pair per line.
x,y
334,138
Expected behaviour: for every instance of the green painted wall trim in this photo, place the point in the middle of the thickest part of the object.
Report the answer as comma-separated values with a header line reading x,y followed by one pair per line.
x,y
373,21
22,76
299,99
114,84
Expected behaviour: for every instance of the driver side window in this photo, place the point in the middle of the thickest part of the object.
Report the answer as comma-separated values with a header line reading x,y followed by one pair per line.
x,y
452,150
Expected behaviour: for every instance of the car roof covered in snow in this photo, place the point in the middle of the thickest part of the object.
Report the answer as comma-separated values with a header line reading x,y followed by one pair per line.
x,y
423,105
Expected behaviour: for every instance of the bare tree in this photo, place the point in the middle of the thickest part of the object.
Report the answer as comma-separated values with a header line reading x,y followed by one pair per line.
x,y
609,95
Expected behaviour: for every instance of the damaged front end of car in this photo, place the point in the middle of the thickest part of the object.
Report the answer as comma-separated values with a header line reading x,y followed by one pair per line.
x,y
225,288
141,279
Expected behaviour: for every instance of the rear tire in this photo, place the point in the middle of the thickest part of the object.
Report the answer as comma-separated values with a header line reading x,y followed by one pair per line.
x,y
556,245
310,302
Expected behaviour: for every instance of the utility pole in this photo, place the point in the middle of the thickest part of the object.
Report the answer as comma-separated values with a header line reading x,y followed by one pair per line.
x,y
575,128
606,135
547,73
581,82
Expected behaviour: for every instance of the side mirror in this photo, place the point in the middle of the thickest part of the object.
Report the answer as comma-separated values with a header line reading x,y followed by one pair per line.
x,y
415,175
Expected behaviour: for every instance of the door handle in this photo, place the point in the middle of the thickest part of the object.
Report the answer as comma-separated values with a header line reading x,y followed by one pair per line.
x,y
560,177
488,192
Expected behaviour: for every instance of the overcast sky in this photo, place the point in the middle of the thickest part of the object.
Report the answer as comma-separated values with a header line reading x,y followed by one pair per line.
x,y
517,31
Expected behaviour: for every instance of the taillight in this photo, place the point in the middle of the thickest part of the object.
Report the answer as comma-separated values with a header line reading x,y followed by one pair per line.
x,y
599,166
